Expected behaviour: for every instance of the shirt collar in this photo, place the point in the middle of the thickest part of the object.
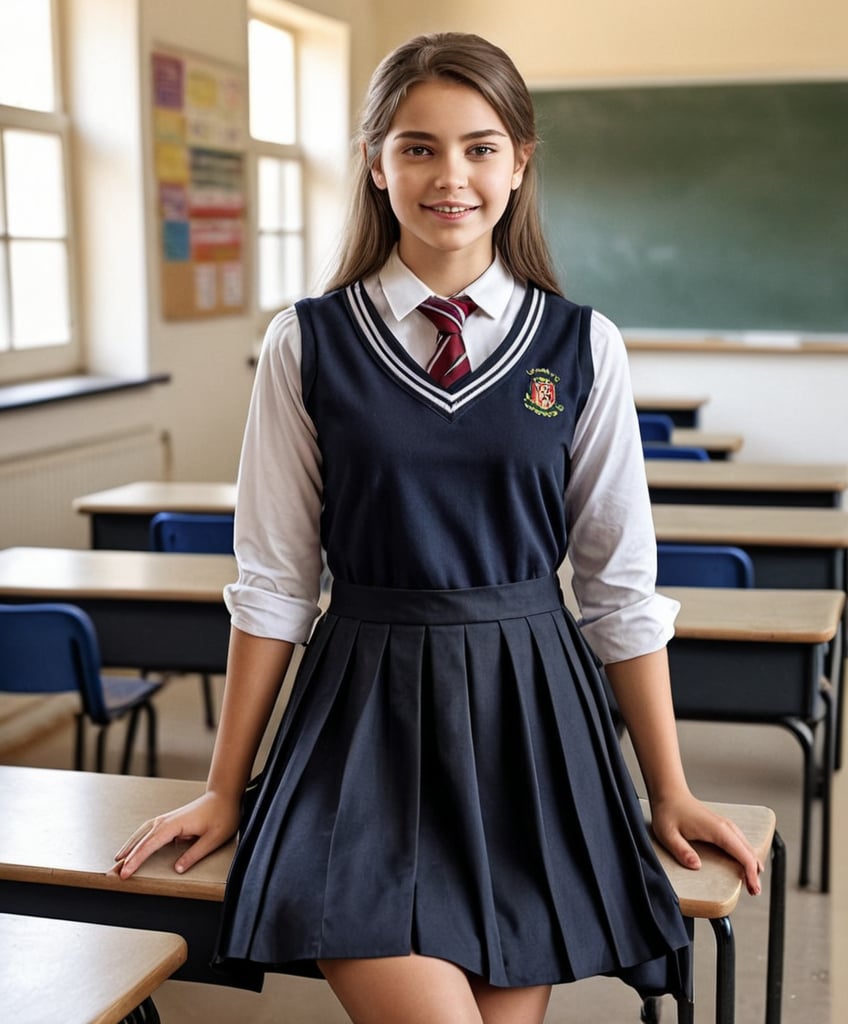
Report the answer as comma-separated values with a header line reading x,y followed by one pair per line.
x,y
404,292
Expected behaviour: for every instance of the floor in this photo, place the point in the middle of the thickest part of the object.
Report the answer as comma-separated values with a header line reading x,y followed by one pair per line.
x,y
732,763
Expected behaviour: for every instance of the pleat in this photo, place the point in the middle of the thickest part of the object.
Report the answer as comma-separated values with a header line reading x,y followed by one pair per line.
x,y
453,854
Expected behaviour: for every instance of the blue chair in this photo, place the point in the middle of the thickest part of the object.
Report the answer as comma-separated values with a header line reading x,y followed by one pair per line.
x,y
703,565
656,426
53,648
194,533
675,451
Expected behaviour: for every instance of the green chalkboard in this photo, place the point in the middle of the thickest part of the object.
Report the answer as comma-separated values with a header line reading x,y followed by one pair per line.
x,y
714,207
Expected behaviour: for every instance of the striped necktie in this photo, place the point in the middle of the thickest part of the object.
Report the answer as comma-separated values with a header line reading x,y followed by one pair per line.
x,y
450,360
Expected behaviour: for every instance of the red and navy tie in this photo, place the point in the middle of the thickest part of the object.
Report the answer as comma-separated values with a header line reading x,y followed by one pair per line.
x,y
450,360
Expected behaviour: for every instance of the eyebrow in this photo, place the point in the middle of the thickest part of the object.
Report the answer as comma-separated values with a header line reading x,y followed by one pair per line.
x,y
429,137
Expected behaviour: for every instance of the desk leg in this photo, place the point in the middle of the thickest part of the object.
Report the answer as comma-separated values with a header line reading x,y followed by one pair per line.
x,y
144,1013
776,931
725,970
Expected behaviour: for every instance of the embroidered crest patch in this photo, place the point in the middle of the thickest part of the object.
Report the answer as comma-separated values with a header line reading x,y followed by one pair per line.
x,y
540,397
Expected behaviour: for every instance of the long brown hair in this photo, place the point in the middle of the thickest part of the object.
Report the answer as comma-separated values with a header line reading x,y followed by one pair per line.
x,y
372,229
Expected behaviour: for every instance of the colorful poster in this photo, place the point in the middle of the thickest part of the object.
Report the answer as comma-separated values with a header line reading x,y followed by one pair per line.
x,y
199,138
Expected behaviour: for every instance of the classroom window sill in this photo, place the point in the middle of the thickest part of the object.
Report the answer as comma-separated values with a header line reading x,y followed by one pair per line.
x,y
67,389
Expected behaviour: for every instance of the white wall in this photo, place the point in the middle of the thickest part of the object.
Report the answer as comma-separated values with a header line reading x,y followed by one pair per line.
x,y
789,407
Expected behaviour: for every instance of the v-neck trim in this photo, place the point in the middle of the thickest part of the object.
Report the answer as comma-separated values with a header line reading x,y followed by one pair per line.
x,y
388,351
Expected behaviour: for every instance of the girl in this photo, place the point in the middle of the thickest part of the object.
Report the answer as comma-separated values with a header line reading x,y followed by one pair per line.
x,y
445,826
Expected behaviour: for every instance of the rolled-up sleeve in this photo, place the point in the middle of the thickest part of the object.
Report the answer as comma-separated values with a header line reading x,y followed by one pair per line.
x,y
612,545
278,499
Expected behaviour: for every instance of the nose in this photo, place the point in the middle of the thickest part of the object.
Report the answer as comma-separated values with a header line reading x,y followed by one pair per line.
x,y
451,172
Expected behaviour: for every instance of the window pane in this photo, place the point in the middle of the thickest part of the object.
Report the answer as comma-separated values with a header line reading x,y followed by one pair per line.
x,y
34,190
280,269
280,199
40,314
26,54
271,76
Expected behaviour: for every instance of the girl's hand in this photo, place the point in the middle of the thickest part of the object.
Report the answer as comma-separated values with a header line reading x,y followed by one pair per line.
x,y
209,821
678,821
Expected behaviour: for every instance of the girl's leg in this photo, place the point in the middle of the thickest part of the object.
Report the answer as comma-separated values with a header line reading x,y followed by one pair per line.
x,y
402,990
510,1005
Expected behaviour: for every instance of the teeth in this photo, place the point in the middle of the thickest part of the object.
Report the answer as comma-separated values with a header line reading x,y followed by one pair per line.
x,y
450,209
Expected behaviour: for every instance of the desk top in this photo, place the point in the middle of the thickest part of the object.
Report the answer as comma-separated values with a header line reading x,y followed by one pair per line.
x,y
150,497
757,476
712,442
688,403
744,524
766,616
97,974
67,574
95,813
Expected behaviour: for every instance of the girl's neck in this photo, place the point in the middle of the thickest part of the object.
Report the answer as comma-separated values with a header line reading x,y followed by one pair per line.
x,y
445,273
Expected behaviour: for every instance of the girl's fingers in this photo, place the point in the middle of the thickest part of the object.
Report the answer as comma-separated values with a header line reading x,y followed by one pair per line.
x,y
205,824
159,833
720,832
141,831
727,835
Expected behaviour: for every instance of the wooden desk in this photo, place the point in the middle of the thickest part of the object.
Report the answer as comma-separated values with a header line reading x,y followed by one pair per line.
x,y
790,547
120,517
163,612
62,828
684,411
759,656
714,895
69,877
819,485
81,973
717,446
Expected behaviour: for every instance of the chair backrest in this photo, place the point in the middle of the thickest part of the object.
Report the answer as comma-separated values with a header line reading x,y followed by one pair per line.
x,y
51,648
703,565
192,533
656,426
675,451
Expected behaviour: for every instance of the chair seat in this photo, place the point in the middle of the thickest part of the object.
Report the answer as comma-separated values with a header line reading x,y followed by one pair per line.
x,y
122,693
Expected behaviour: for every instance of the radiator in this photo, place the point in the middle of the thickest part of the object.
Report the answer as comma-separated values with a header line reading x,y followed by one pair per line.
x,y
36,491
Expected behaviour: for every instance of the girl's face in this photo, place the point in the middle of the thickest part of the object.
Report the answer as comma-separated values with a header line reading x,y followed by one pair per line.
x,y
449,166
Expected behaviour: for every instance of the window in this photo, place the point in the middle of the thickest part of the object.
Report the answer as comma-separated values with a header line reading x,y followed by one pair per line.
x,y
279,163
36,309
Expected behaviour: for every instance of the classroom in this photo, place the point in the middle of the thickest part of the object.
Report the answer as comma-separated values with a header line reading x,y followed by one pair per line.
x,y
692,161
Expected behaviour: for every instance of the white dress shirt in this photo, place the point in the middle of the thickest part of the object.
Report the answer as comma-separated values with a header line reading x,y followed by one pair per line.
x,y
611,542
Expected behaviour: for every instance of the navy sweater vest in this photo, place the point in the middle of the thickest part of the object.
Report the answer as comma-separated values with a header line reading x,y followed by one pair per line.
x,y
427,488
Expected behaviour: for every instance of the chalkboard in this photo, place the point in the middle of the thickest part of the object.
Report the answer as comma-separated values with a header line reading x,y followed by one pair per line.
x,y
714,207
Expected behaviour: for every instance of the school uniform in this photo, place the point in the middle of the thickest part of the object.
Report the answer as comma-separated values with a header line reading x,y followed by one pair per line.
x,y
446,778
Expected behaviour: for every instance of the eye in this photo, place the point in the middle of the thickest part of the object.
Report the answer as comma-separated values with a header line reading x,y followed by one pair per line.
x,y
482,149
417,150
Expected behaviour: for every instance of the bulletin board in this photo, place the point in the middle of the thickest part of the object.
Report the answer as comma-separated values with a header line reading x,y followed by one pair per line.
x,y
199,157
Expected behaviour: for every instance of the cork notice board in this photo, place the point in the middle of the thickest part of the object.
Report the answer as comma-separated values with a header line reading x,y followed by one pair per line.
x,y
199,165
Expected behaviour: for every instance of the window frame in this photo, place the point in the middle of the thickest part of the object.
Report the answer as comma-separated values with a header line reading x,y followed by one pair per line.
x,y
19,364
294,152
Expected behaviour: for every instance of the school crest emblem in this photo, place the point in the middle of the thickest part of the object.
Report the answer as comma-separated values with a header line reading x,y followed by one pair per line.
x,y
541,396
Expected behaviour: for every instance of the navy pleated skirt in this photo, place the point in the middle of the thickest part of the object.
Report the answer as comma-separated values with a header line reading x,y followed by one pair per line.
x,y
447,780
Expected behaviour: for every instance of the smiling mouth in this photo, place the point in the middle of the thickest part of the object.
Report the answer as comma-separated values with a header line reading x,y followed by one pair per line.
x,y
449,209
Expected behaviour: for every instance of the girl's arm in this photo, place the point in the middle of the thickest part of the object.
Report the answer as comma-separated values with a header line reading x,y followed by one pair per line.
x,y
255,670
643,691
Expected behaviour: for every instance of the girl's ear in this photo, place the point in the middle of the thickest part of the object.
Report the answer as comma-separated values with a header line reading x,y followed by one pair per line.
x,y
522,159
376,169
